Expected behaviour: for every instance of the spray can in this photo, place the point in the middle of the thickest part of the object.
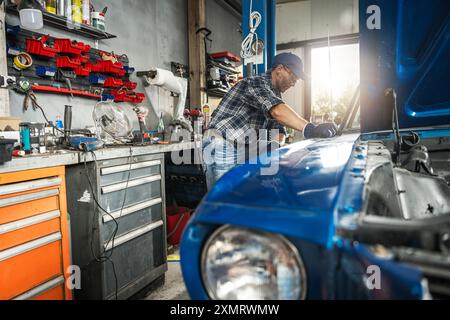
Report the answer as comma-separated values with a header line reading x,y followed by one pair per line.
x,y
87,12
50,6
161,124
61,10
77,11
68,6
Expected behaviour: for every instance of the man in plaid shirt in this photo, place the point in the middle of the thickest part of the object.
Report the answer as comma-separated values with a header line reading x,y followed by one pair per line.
x,y
252,105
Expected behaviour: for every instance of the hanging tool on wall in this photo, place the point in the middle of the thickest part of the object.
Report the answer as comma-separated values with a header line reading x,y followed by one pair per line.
x,y
66,76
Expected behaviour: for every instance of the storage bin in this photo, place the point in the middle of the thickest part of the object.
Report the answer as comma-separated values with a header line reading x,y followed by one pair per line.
x,y
130,85
72,47
38,47
43,71
113,83
65,62
82,71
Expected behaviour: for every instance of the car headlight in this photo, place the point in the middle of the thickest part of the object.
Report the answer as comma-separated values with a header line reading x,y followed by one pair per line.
x,y
242,264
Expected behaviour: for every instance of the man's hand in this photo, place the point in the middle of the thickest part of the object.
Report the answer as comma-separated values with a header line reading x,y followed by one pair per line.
x,y
280,139
324,130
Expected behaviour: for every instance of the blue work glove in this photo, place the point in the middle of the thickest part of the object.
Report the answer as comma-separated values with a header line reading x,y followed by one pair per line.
x,y
324,130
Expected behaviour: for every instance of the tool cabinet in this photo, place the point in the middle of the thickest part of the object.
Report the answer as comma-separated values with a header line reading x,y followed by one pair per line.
x,y
131,191
34,235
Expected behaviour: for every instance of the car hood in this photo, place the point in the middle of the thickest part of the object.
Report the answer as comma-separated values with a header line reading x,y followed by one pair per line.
x,y
409,53
301,194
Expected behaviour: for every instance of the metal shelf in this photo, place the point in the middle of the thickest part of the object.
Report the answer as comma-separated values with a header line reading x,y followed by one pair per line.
x,y
61,23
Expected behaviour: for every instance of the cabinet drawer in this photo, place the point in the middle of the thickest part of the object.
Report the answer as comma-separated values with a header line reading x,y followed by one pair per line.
x,y
29,229
51,290
25,267
135,258
139,190
18,207
12,188
132,218
117,174
53,294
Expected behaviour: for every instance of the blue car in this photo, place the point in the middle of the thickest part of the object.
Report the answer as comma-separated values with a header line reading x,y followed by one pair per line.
x,y
365,215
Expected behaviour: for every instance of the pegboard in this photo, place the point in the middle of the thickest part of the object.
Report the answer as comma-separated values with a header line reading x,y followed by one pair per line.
x,y
17,38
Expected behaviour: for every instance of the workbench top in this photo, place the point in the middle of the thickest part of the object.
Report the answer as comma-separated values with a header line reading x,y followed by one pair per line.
x,y
67,157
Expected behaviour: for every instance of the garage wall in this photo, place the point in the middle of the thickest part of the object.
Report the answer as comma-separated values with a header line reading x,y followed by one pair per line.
x,y
150,32
225,28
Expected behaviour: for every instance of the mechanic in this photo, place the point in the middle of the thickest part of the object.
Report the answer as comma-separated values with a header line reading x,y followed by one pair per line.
x,y
251,105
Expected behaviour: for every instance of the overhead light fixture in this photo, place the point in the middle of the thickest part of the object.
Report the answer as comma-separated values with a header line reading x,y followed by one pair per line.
x,y
30,12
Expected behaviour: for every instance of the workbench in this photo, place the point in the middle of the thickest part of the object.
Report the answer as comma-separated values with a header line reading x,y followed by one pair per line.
x,y
68,158
36,231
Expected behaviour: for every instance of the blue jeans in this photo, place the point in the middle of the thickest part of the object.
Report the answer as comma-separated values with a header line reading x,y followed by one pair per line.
x,y
219,157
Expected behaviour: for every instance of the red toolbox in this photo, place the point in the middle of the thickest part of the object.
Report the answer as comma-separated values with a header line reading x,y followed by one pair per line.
x,y
38,47
72,47
65,62
226,54
113,83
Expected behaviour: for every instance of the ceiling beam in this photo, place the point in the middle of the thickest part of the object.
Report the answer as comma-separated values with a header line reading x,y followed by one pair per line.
x,y
232,6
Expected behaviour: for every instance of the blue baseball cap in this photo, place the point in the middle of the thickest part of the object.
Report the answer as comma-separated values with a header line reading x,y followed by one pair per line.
x,y
291,61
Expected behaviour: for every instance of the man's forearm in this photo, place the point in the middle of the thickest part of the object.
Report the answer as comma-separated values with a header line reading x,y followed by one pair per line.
x,y
288,117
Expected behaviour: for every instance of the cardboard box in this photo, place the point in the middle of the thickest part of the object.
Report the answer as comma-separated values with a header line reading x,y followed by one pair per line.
x,y
11,121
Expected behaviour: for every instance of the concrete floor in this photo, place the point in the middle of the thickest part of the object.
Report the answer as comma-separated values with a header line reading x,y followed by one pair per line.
x,y
174,288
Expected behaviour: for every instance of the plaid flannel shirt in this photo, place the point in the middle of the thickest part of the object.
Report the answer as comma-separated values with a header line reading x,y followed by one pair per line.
x,y
247,106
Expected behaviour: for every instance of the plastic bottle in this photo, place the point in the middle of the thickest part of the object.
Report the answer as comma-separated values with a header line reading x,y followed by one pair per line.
x,y
42,4
50,6
77,11
161,124
68,6
60,126
87,12
61,11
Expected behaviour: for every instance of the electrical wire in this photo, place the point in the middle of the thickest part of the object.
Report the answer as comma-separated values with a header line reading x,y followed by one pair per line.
x,y
104,256
330,70
247,45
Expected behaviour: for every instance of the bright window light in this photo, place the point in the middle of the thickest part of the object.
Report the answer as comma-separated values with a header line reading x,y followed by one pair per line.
x,y
336,82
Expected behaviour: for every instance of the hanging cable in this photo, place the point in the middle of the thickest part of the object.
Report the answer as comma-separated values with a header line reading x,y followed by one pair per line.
x,y
247,45
330,72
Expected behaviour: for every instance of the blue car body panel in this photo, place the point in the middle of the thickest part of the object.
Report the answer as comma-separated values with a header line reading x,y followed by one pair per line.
x,y
319,187
410,53
287,204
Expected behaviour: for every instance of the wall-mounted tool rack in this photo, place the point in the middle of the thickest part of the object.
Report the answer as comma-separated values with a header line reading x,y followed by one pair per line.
x,y
63,66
